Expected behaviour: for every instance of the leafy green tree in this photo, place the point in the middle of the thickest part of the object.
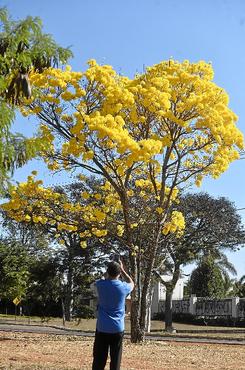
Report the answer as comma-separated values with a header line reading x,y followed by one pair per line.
x,y
61,281
34,241
14,274
44,291
212,226
21,246
209,278
23,47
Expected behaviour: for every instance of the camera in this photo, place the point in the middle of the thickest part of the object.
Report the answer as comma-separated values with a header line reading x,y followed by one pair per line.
x,y
116,258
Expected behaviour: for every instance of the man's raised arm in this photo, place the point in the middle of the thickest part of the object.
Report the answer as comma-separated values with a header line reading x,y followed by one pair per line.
x,y
126,276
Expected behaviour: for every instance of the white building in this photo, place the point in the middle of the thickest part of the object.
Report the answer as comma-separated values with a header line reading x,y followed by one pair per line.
x,y
160,293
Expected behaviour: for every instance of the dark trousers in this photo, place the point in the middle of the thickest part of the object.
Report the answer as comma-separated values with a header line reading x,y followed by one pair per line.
x,y
102,343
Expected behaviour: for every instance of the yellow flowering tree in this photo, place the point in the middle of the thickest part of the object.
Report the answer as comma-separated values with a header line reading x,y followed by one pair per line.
x,y
159,131
67,218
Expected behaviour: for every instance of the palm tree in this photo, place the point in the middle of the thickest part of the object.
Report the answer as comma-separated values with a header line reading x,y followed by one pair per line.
x,y
224,265
239,287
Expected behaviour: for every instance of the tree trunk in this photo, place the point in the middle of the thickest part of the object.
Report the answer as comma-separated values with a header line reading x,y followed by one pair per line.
x,y
148,319
137,334
68,304
140,294
168,303
148,313
147,291
140,318
144,302
141,306
63,312
168,310
68,301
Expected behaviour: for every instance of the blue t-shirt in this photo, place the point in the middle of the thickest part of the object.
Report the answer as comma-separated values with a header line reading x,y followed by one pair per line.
x,y
111,305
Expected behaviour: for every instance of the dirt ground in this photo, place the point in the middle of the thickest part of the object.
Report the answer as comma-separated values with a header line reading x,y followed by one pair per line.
x,y
41,351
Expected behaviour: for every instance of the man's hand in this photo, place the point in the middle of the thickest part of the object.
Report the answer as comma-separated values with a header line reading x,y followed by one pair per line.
x,y
124,274
121,264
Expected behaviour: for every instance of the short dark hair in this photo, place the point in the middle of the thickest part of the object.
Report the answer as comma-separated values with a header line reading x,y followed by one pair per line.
x,y
113,269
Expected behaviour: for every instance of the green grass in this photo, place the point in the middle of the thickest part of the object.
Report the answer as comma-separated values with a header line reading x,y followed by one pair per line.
x,y
157,327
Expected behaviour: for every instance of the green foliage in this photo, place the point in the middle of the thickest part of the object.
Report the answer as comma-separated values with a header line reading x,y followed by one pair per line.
x,y
33,240
212,226
238,289
57,273
207,280
14,274
84,312
44,287
23,46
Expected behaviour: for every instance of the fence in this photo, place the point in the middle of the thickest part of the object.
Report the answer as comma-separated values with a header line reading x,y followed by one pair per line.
x,y
199,306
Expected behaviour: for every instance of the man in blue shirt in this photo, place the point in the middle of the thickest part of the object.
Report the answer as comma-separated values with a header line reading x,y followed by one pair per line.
x,y
112,293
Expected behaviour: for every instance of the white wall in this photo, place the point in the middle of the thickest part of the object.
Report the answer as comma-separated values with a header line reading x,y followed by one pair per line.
x,y
178,290
160,292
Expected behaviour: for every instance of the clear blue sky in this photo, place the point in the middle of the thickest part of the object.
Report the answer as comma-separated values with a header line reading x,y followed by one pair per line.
x,y
131,34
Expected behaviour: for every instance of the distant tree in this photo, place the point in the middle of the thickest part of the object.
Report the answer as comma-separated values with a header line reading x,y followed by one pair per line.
x,y
14,274
32,238
210,277
21,246
212,226
44,290
238,289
